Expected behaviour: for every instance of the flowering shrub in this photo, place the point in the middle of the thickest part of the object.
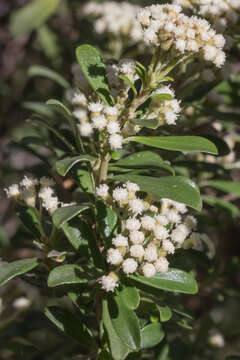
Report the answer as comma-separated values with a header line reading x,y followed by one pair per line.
x,y
114,214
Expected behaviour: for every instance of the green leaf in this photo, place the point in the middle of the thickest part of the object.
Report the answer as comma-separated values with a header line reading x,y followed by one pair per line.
x,y
226,205
147,123
60,105
144,159
164,352
130,297
161,96
70,325
125,322
224,185
28,218
118,349
107,222
177,143
39,108
74,231
177,188
31,16
39,70
172,280
64,165
94,70
15,268
71,274
165,313
221,145
66,213
151,335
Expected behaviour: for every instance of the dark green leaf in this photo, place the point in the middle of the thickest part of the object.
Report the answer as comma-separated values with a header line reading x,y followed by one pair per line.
x,y
28,218
94,70
151,335
39,108
130,297
177,188
64,165
226,205
39,70
172,280
125,322
70,325
224,185
118,349
66,213
177,143
15,268
107,222
73,230
31,16
221,145
71,274
144,159
4,240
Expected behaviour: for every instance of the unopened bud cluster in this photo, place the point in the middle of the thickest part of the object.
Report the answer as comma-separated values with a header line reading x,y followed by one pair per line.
x,y
149,233
166,27
32,192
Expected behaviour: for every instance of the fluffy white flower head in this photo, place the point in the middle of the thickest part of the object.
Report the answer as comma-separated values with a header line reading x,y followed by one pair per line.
x,y
120,194
102,191
115,141
148,270
136,206
132,224
120,240
114,257
137,237
108,283
151,254
161,264
137,251
12,191
129,266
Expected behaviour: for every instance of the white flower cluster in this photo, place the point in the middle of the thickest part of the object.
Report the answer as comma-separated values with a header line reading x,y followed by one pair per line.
x,y
114,18
167,111
166,27
149,233
222,14
31,190
97,116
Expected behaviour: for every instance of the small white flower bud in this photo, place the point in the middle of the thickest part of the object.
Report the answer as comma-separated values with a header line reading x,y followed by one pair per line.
x,y
161,264
137,251
114,257
133,224
151,254
148,223
137,237
120,240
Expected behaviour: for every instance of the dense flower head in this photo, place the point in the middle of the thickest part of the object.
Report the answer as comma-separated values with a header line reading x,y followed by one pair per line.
x,y
222,14
165,26
32,191
167,111
147,237
117,19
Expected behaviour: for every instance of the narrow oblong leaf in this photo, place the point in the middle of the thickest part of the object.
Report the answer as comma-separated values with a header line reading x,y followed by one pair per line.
x,y
107,222
172,280
94,70
70,325
39,70
226,205
31,16
177,188
162,96
59,104
151,335
15,268
119,350
177,143
225,185
125,322
64,165
71,274
66,213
